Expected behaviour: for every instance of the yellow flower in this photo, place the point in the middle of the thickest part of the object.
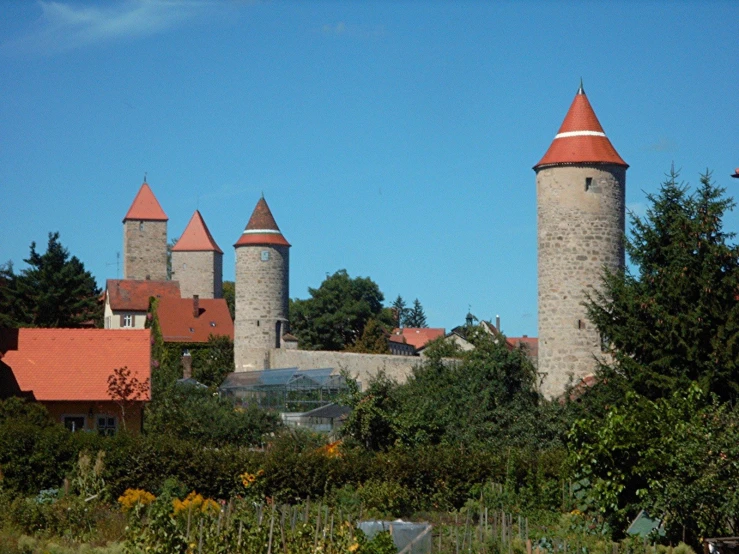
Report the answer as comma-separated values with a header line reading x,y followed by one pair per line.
x,y
195,502
354,547
135,497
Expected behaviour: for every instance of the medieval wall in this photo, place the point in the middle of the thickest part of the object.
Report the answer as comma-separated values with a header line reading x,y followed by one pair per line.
x,y
360,366
580,231
145,250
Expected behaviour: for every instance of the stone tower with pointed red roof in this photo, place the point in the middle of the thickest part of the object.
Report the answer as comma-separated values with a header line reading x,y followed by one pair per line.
x,y
580,191
262,290
145,238
197,261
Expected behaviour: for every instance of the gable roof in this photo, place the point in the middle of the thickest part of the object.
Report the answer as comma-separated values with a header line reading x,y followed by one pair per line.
x,y
73,364
196,237
581,138
145,206
132,295
178,323
418,337
262,228
530,343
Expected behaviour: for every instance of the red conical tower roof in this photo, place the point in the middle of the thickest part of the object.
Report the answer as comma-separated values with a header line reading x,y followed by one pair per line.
x,y
581,138
262,228
196,237
145,206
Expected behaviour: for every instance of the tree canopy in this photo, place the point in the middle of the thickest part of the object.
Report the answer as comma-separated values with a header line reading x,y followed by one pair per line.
x,y
335,315
54,291
674,319
415,316
487,396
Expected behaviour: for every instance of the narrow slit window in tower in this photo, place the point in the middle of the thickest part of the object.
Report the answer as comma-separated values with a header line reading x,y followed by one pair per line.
x,y
141,225
588,183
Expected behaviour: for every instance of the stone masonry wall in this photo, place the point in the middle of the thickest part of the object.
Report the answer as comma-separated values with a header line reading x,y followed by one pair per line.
x,y
360,366
579,233
199,273
145,250
262,293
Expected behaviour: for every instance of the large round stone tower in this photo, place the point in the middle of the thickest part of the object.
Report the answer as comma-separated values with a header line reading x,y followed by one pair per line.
x,y
580,191
262,290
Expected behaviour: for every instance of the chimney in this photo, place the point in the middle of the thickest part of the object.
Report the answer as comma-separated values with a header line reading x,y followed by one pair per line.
x,y
186,365
497,323
195,305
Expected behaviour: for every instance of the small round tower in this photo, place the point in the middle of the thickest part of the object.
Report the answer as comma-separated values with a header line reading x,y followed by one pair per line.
x,y
145,238
262,290
580,192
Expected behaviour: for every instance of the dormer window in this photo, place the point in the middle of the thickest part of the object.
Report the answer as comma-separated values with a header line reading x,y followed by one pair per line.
x,y
212,323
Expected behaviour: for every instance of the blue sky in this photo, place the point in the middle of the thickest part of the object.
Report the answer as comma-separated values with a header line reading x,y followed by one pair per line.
x,y
392,139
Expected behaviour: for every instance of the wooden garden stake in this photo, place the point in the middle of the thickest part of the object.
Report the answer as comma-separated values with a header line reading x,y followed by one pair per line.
x,y
271,529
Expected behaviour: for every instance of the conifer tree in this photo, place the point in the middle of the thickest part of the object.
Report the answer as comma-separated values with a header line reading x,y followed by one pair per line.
x,y
54,291
400,310
675,318
416,316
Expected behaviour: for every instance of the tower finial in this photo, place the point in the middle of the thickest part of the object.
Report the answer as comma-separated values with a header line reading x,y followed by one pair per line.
x,y
144,176
262,195
581,90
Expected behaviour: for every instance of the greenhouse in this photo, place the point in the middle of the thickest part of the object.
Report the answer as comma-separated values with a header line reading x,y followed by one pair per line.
x,y
285,390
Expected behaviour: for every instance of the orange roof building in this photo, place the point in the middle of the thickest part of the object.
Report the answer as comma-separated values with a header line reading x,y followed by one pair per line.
x,y
580,138
193,320
197,261
418,337
127,301
67,370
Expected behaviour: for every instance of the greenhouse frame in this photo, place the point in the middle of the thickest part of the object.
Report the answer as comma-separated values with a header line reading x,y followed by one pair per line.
x,y
285,390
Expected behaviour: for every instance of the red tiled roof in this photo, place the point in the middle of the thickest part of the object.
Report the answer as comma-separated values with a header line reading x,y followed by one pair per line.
x,y
417,336
531,343
74,364
196,237
262,228
145,206
178,322
130,295
581,138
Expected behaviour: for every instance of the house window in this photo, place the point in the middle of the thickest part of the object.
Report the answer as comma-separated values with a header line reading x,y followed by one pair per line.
x,y
128,320
106,425
74,423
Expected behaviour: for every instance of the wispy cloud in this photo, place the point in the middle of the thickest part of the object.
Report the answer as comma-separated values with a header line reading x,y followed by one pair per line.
x,y
355,31
65,26
662,145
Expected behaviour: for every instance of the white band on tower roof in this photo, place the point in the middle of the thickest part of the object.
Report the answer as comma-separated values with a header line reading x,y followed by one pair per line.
x,y
260,232
580,134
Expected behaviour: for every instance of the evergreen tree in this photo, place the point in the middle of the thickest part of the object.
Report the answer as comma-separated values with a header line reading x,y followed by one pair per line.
x,y
415,316
54,291
675,319
400,311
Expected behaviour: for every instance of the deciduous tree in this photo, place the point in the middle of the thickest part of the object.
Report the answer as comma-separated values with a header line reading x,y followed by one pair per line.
x,y
335,315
